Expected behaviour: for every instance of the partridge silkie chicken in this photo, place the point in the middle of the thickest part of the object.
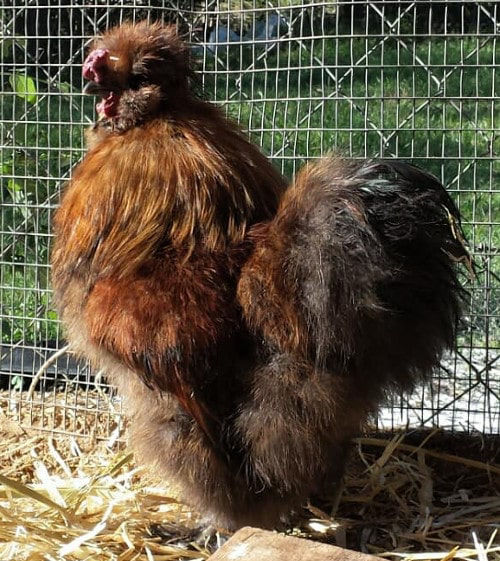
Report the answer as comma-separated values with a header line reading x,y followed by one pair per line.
x,y
250,326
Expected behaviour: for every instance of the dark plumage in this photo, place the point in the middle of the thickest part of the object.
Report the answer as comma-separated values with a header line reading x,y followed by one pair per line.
x,y
250,327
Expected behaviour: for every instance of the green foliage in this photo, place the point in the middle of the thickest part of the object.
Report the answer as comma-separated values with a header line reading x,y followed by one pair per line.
x,y
24,86
40,145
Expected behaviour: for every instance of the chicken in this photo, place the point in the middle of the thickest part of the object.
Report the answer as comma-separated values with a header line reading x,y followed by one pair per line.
x,y
251,327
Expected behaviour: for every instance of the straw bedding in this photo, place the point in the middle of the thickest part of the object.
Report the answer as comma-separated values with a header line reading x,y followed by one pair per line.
x,y
418,495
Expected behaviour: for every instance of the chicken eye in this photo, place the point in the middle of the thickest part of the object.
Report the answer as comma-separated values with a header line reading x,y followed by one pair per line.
x,y
137,80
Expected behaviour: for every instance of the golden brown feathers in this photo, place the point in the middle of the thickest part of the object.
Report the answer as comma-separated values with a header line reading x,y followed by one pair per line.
x,y
151,231
250,332
171,187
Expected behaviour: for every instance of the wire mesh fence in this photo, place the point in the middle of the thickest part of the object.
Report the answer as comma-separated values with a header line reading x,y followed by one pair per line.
x,y
413,80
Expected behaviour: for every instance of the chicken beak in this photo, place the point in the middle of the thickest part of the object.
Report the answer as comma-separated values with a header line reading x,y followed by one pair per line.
x,y
91,88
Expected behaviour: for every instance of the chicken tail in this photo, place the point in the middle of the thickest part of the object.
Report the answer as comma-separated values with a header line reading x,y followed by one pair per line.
x,y
358,271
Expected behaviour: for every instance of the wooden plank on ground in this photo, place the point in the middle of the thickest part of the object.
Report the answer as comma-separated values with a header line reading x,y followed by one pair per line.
x,y
253,544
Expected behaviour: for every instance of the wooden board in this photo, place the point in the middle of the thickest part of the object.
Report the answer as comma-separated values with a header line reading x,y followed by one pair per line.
x,y
252,544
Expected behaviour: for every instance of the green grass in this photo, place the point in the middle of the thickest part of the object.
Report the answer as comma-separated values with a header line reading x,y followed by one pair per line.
x,y
390,90
40,146
391,93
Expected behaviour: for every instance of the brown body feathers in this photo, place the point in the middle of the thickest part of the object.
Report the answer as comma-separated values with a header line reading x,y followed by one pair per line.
x,y
250,328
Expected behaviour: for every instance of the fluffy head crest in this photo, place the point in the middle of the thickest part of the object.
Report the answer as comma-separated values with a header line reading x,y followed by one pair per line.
x,y
136,67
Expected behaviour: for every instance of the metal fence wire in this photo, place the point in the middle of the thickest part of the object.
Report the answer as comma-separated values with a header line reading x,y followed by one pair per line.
x,y
416,80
